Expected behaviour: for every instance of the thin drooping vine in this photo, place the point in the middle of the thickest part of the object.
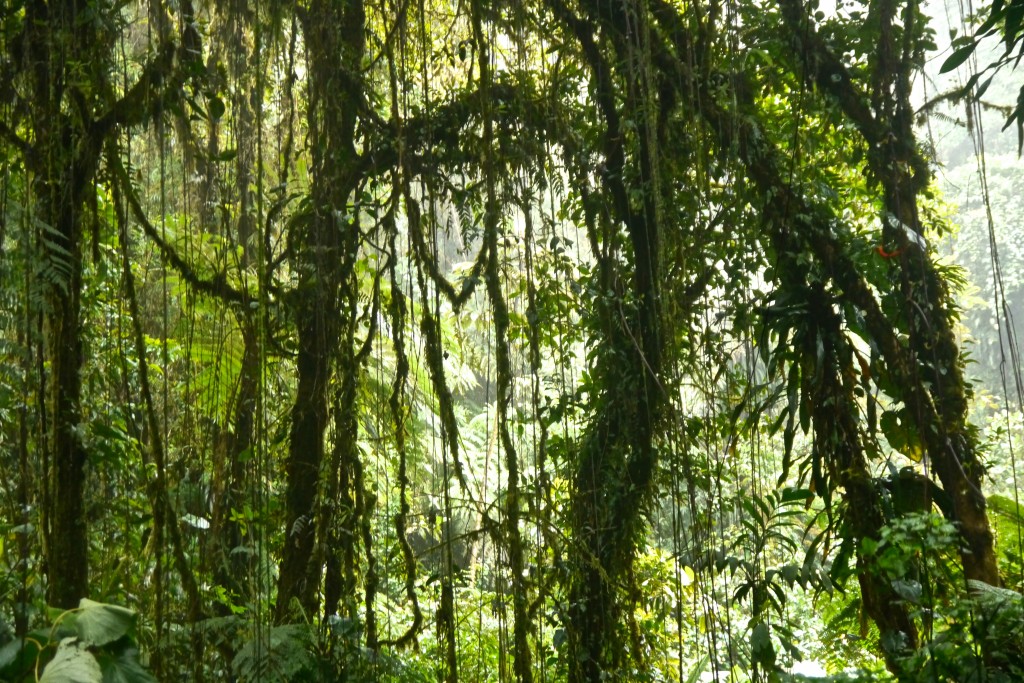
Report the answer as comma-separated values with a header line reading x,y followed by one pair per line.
x,y
163,515
709,326
499,310
399,418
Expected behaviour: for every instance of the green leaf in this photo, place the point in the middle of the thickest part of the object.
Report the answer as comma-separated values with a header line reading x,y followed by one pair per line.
x,y
226,155
124,668
795,495
72,664
910,591
1014,14
761,649
108,432
958,57
9,653
893,431
901,434
983,87
285,658
792,408
1002,505
1020,120
17,660
995,15
698,670
101,624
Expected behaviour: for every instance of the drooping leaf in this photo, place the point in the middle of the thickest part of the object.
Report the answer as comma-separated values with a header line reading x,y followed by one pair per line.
x,y
1014,15
18,658
216,107
73,663
984,87
124,668
100,624
761,649
958,57
910,591
890,425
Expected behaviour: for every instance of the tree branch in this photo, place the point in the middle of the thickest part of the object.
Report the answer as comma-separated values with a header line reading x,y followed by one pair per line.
x,y
824,70
146,98
217,287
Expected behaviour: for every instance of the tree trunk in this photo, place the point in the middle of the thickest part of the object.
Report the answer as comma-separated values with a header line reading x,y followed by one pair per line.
x,y
339,514
327,247
68,560
933,381
616,466
62,175
305,453
838,444
67,53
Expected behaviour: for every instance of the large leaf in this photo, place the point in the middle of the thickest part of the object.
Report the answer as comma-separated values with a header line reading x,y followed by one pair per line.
x,y
18,657
958,57
72,664
101,624
901,434
1014,15
124,668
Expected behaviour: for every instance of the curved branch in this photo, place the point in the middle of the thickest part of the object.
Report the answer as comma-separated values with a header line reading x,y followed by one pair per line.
x,y
456,298
823,69
217,286
146,98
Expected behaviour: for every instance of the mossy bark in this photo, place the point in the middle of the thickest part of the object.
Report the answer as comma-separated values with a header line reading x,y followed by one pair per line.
x,y
930,368
326,246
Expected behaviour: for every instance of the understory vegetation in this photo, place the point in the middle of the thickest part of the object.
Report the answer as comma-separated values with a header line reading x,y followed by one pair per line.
x,y
542,341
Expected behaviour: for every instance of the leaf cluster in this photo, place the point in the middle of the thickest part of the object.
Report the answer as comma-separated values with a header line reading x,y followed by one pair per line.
x,y
94,643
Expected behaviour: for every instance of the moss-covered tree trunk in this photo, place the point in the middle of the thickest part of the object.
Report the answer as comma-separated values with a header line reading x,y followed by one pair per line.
x,y
838,446
933,380
60,206
63,52
326,241
68,542
63,160
617,461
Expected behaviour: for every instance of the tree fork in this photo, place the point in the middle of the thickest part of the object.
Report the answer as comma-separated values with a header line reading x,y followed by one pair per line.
x,y
934,354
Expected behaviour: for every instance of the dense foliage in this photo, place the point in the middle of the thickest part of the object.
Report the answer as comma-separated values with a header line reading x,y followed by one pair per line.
x,y
554,340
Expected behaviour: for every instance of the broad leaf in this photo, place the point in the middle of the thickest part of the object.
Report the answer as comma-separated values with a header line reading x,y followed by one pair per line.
x,y
72,664
761,649
124,668
101,624
17,659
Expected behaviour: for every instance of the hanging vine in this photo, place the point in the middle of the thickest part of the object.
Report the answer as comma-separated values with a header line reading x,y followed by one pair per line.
x,y
560,341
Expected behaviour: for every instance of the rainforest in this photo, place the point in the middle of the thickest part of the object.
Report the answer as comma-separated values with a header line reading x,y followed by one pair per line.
x,y
537,341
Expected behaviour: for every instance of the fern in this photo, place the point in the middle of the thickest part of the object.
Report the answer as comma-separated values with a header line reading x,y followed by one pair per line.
x,y
285,655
